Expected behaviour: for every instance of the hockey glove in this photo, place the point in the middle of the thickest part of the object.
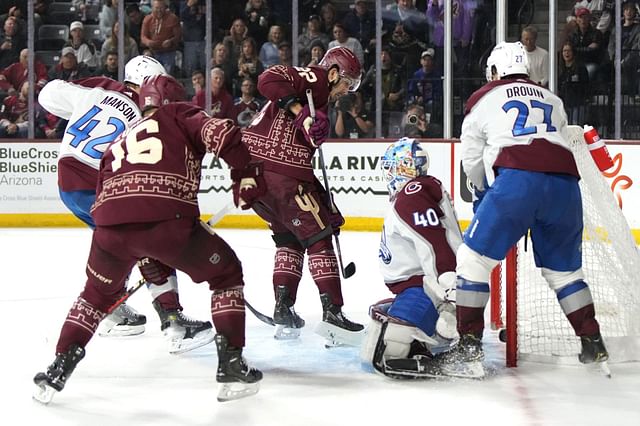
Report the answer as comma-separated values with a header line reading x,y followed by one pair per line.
x,y
315,131
248,184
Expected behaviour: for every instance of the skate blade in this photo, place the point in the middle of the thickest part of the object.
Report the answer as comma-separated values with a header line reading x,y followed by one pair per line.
x,y
465,370
178,345
121,331
237,390
44,393
339,336
286,333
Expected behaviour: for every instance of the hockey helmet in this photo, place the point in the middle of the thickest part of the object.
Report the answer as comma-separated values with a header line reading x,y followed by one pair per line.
x,y
159,90
348,65
508,59
140,67
403,160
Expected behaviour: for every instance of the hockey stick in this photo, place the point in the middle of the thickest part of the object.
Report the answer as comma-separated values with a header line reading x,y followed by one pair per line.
x,y
126,295
221,213
262,317
350,269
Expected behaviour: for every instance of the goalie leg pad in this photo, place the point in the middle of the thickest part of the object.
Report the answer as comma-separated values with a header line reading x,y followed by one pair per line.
x,y
415,307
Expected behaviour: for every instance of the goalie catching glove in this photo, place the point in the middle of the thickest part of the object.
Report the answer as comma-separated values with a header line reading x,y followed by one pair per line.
x,y
248,184
315,131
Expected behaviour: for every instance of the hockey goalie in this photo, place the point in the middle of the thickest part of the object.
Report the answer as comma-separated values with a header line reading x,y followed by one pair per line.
x,y
417,259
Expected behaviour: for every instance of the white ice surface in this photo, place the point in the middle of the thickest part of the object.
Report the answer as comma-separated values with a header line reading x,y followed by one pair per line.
x,y
134,381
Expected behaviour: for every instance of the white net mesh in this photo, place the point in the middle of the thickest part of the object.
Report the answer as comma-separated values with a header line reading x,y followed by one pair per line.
x,y
611,264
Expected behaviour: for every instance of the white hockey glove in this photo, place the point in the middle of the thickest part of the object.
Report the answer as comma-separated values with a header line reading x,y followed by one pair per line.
x,y
443,295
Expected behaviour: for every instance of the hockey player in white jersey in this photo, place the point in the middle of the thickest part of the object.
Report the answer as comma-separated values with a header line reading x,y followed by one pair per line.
x,y
515,151
98,109
417,259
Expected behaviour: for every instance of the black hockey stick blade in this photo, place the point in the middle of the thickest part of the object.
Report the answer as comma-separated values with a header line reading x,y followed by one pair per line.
x,y
262,317
349,270
126,295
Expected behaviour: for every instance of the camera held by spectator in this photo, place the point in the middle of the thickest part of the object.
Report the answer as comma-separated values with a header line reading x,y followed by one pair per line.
x,y
417,124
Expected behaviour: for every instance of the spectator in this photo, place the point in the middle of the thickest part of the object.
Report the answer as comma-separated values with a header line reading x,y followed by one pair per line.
x,y
342,39
198,82
425,87
405,12
417,124
257,20
88,10
108,16
193,15
284,53
405,49
15,114
69,68
109,67
221,60
573,81
328,17
134,19
249,66
12,77
111,43
360,23
246,102
48,125
588,42
221,100
85,51
161,32
269,50
350,121
462,30
317,52
538,57
309,36
11,42
630,48
233,41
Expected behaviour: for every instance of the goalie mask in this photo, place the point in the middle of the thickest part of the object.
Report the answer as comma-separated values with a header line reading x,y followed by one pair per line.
x,y
508,59
402,161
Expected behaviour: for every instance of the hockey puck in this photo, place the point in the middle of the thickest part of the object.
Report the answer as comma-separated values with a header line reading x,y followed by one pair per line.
x,y
502,335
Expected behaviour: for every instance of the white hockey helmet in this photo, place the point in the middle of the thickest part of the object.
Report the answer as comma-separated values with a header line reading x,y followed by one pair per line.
x,y
508,59
403,160
140,67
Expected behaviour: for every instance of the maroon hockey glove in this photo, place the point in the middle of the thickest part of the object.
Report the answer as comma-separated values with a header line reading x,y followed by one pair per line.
x,y
248,184
315,131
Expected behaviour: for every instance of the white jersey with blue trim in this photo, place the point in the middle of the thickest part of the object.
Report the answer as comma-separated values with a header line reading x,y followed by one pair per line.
x,y
98,110
511,113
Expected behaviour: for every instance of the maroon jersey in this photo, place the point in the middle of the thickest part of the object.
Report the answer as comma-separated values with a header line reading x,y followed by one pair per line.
x,y
152,171
271,137
221,104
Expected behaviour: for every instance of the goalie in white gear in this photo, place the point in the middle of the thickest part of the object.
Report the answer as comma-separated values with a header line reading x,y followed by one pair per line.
x,y
516,153
419,240
98,109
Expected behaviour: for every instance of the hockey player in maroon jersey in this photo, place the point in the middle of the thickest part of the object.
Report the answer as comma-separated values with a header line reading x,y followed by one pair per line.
x,y
284,136
417,260
99,109
146,205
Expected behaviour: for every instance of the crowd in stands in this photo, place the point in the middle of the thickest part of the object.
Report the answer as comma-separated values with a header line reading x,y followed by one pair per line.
x,y
252,35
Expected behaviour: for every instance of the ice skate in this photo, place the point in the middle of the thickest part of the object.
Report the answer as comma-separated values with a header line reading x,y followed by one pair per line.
x,y
464,359
288,322
183,333
57,374
123,321
237,379
594,351
336,328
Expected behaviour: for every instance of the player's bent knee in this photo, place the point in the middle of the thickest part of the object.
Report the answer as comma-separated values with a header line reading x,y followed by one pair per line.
x,y
320,246
559,279
473,266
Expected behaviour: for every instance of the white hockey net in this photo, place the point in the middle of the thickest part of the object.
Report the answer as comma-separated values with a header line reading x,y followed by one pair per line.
x,y
611,264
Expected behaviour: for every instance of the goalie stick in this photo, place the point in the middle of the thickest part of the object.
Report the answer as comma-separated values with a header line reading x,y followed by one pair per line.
x,y
350,269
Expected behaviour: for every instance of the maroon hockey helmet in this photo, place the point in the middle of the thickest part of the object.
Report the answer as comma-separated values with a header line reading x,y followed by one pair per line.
x,y
348,65
158,90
